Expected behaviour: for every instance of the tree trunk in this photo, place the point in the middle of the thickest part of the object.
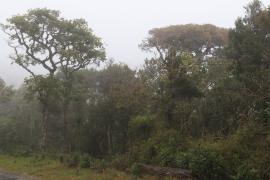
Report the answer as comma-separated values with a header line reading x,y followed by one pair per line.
x,y
109,136
67,140
66,102
44,127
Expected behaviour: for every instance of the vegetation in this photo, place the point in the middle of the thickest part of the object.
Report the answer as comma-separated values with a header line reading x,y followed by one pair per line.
x,y
201,102
49,169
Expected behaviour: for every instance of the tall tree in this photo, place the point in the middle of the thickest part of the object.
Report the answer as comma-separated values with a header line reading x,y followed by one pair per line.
x,y
200,40
42,38
170,77
249,49
249,44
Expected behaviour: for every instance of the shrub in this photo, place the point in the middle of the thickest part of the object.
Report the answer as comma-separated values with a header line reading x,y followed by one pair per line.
x,y
73,160
167,144
262,164
148,152
161,149
204,164
99,164
121,162
245,172
136,170
166,156
85,161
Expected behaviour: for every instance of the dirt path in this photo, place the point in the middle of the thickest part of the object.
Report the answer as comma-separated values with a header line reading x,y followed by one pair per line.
x,y
4,175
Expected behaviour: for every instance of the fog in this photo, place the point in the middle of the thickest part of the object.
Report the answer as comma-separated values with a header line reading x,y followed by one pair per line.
x,y
122,24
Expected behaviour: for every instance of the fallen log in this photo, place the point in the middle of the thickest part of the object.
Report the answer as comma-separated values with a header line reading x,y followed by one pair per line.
x,y
166,171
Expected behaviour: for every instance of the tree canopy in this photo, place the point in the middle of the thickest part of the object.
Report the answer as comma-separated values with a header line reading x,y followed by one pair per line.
x,y
42,37
201,40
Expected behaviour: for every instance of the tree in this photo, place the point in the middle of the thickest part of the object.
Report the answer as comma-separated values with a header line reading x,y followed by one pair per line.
x,y
180,71
171,79
249,41
5,91
42,38
249,49
200,40
104,102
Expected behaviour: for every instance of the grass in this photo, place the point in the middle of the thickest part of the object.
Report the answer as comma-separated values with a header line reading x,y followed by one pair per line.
x,y
49,169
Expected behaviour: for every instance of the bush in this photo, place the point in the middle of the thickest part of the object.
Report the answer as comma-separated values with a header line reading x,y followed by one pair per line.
x,y
167,144
73,160
85,161
245,172
99,164
161,149
262,164
121,162
136,170
147,152
166,156
204,164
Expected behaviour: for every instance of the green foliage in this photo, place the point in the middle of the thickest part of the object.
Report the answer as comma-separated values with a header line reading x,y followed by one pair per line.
x,y
43,88
246,173
85,161
49,168
78,160
204,163
136,170
166,156
121,161
52,42
140,126
6,92
73,160
161,149
202,105
42,38
99,164
189,37
262,165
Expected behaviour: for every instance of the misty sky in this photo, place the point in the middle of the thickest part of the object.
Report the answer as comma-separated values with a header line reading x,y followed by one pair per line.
x,y
122,24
